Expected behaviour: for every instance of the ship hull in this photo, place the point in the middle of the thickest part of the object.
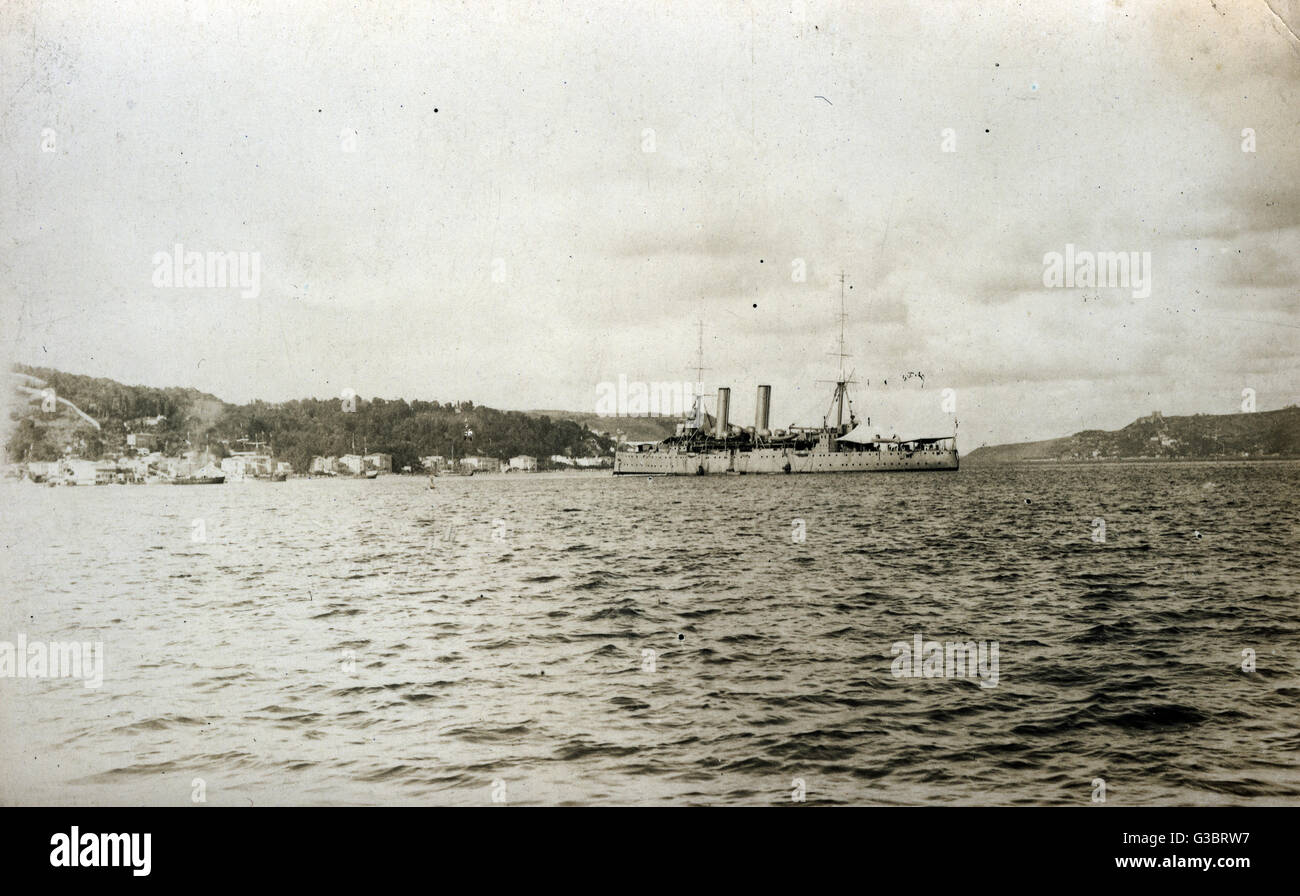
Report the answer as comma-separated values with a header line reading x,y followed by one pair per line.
x,y
780,460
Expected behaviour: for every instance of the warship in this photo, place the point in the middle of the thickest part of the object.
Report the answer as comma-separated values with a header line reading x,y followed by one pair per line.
x,y
705,444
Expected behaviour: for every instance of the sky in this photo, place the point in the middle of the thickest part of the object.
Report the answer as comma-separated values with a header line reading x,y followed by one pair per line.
x,y
515,203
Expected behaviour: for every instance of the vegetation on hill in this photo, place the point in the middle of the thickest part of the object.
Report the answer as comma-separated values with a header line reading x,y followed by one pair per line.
x,y
186,419
1258,434
632,429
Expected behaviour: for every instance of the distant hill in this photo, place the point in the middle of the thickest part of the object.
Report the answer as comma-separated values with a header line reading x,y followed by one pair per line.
x,y
185,419
634,429
43,434
1200,436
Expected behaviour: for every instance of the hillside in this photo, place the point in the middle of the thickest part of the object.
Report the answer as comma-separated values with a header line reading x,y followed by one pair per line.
x,y
184,419
1200,436
634,429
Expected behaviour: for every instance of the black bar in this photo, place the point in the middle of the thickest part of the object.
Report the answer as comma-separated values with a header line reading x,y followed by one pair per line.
x,y
334,847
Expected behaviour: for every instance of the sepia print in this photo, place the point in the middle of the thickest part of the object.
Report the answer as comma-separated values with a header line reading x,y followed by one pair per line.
x,y
661,404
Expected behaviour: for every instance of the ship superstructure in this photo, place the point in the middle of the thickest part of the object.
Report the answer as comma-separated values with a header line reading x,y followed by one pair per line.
x,y
706,445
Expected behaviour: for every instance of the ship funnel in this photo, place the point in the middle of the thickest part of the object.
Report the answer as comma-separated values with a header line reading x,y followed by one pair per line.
x,y
724,408
762,409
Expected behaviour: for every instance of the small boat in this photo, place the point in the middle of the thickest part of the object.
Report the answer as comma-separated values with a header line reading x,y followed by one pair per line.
x,y
209,475
372,474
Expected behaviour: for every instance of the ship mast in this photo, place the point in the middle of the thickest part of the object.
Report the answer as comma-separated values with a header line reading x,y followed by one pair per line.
x,y
699,365
698,415
841,384
843,316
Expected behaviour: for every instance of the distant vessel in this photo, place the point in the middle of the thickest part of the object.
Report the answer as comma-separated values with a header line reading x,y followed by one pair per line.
x,y
704,446
209,475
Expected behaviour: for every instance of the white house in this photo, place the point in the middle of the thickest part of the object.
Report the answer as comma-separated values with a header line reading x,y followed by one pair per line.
x,y
246,465
381,462
324,465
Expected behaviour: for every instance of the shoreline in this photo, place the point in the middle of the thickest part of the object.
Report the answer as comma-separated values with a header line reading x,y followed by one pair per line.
x,y
1111,461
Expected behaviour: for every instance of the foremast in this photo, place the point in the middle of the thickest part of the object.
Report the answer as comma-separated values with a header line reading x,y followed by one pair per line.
x,y
841,395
